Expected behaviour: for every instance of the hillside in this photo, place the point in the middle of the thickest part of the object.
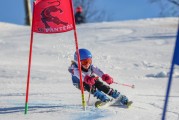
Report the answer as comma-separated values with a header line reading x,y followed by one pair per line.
x,y
133,52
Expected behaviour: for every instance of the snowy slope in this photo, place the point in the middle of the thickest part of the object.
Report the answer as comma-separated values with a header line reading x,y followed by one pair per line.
x,y
133,52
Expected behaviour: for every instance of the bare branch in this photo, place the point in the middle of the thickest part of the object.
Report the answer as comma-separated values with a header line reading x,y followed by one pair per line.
x,y
174,2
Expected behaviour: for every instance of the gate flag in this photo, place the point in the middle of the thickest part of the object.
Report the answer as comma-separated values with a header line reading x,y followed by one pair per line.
x,y
52,16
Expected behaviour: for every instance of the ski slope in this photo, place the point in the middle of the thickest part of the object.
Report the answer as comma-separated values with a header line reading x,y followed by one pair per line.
x,y
135,52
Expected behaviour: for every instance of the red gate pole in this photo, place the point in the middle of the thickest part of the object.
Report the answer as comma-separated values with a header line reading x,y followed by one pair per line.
x,y
78,56
29,65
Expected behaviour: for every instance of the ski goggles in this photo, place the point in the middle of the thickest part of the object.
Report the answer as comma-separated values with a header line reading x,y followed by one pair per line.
x,y
86,61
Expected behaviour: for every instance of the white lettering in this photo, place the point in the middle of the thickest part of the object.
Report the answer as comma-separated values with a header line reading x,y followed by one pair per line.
x,y
56,30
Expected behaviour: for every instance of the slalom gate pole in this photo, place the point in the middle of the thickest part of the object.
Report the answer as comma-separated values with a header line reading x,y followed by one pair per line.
x,y
167,92
28,76
127,85
175,60
29,65
80,73
78,56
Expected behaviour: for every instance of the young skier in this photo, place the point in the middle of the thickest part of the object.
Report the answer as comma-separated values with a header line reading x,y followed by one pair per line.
x,y
90,77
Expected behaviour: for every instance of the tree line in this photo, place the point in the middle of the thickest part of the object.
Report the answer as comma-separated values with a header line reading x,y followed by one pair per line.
x,y
167,7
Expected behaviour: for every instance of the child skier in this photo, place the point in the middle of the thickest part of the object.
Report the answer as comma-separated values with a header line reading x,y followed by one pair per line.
x,y
90,77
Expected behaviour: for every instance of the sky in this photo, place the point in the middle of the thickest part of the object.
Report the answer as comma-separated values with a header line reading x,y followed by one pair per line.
x,y
13,11
128,9
135,52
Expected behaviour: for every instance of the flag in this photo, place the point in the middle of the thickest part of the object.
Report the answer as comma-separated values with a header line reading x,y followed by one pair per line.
x,y
176,52
52,16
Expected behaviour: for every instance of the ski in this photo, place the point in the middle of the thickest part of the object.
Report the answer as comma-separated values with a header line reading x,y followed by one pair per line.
x,y
112,102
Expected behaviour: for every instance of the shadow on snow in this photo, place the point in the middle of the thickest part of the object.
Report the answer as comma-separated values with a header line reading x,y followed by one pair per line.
x,y
22,109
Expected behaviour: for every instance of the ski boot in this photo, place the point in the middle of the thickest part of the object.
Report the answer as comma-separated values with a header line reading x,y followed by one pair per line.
x,y
119,99
114,93
101,96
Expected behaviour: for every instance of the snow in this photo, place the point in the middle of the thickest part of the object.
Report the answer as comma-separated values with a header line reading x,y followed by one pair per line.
x,y
135,52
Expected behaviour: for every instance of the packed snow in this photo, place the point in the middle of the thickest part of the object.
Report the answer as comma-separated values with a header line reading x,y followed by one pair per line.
x,y
135,52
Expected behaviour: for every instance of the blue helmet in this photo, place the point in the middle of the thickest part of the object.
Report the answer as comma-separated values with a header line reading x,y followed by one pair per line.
x,y
84,54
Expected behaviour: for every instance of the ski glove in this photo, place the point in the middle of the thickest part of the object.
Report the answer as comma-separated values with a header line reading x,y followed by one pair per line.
x,y
90,80
108,79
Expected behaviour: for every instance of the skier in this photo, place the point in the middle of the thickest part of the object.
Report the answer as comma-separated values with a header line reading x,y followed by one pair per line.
x,y
79,16
90,77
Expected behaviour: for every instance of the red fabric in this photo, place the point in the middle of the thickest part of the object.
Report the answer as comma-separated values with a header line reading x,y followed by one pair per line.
x,y
108,79
90,80
52,16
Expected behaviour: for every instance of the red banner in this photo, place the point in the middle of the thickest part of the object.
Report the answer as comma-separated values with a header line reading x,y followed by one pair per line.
x,y
52,16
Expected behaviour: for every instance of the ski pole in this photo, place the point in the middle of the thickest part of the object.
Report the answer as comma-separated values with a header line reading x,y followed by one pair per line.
x,y
89,95
90,91
127,85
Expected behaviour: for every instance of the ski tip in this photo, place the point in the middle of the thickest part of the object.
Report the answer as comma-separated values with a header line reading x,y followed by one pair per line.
x,y
100,104
129,104
97,104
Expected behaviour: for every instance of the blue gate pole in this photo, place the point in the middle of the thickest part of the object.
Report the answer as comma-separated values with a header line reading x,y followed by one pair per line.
x,y
168,92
